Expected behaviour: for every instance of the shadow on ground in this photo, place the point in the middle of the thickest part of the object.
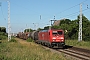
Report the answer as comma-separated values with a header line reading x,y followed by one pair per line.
x,y
65,47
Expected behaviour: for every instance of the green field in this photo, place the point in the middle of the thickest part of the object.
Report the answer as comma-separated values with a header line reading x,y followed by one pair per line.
x,y
23,50
18,49
81,44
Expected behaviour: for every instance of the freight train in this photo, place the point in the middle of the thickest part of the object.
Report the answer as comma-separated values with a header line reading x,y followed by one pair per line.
x,y
51,38
24,36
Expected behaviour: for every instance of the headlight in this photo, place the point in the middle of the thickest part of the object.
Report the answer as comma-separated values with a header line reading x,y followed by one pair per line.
x,y
53,38
61,38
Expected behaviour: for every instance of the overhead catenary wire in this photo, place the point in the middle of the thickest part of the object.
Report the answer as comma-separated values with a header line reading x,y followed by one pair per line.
x,y
70,15
2,11
70,7
58,12
61,11
73,14
73,6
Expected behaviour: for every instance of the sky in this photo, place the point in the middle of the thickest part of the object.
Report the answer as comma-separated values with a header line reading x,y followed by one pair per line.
x,y
38,13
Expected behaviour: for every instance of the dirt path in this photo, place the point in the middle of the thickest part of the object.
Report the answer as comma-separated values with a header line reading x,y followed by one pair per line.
x,y
22,41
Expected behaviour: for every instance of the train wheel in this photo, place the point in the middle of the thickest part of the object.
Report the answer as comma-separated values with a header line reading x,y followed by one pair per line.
x,y
43,44
64,46
52,46
49,46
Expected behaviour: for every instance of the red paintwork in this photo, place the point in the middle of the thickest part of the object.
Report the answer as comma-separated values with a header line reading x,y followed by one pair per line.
x,y
49,37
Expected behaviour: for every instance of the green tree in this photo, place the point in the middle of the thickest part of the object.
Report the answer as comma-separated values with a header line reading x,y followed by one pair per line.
x,y
46,28
28,30
65,21
40,29
71,28
3,29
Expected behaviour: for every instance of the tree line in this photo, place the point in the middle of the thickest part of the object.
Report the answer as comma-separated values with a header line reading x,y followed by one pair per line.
x,y
3,34
2,30
71,28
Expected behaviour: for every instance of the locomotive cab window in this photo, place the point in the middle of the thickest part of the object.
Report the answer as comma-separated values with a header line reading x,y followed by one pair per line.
x,y
54,32
57,32
60,32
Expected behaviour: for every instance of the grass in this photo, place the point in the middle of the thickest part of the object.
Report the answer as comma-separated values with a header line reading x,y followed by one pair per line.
x,y
3,37
81,44
30,40
13,40
26,51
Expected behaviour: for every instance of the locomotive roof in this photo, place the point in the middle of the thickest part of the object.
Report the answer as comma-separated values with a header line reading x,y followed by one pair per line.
x,y
48,30
44,31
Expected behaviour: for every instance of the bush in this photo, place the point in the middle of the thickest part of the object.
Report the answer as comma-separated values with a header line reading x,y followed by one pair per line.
x,y
3,37
13,40
29,40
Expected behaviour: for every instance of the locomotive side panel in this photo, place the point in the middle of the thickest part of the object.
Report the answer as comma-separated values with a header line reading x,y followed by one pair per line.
x,y
44,36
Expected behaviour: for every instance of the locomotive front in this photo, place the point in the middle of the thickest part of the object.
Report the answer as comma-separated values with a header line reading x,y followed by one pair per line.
x,y
57,38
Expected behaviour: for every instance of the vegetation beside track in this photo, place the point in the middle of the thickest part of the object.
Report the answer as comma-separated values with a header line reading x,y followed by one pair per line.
x,y
71,28
18,49
76,43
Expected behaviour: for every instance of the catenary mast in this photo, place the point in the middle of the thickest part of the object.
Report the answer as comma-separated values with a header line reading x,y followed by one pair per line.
x,y
80,25
9,27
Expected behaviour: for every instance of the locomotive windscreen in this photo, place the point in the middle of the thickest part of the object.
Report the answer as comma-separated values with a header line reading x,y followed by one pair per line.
x,y
57,32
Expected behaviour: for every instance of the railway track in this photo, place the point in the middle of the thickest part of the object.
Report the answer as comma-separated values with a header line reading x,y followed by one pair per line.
x,y
77,53
87,52
74,54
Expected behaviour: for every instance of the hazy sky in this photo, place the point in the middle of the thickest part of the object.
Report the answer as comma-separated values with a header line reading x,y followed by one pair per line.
x,y
26,13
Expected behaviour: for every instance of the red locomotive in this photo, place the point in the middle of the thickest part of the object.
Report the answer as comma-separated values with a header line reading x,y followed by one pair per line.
x,y
50,38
